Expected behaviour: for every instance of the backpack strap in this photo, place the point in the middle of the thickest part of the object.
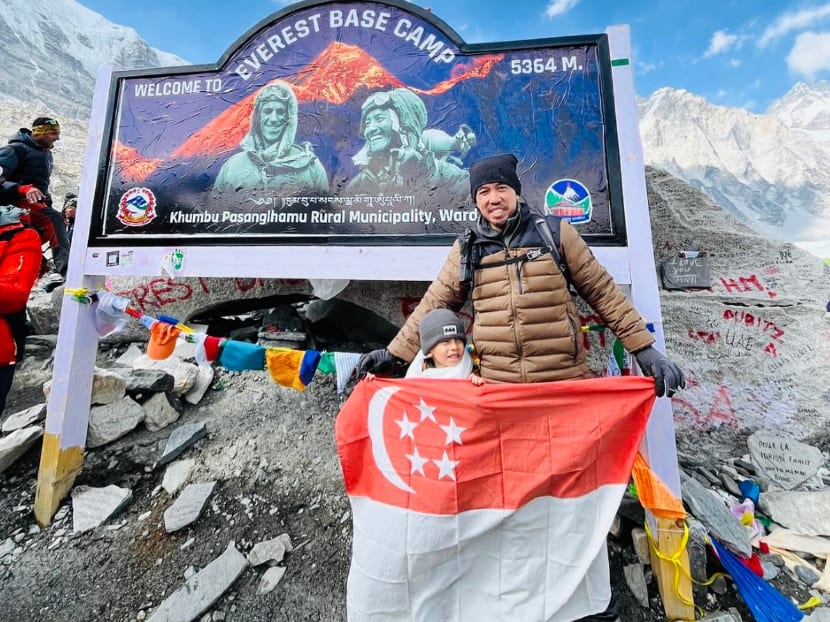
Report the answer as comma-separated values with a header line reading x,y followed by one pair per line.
x,y
551,238
467,268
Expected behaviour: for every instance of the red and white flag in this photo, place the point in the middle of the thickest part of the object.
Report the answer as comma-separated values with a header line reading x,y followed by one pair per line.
x,y
486,503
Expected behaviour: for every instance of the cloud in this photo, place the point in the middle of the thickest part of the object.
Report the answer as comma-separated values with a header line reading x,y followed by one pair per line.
x,y
560,7
644,68
721,41
734,62
810,54
787,22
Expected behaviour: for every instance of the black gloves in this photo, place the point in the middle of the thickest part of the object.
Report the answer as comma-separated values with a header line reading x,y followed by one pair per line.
x,y
668,377
378,362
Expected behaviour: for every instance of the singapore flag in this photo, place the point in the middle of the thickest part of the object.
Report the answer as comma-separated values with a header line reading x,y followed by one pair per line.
x,y
486,504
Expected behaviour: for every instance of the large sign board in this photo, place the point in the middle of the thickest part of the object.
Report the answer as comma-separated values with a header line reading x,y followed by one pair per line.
x,y
355,123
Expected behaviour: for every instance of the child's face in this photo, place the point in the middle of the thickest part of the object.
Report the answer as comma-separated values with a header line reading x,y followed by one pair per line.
x,y
447,353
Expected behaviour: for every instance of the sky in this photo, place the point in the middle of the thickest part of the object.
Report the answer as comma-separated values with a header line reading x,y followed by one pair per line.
x,y
736,53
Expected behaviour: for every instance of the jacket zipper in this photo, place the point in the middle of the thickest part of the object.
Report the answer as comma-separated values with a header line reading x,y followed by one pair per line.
x,y
519,265
574,335
516,334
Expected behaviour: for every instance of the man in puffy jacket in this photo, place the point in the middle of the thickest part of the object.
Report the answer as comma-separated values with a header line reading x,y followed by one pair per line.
x,y
526,327
27,160
20,257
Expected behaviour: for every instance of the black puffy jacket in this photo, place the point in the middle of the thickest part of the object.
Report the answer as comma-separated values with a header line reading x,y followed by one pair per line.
x,y
25,162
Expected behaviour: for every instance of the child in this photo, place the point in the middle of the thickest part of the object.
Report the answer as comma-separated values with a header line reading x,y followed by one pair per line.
x,y
443,352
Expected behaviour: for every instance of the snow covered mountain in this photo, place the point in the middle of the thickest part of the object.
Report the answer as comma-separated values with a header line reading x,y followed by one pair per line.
x,y
770,171
52,50
806,107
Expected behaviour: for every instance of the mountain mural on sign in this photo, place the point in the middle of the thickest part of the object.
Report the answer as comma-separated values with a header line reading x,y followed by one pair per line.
x,y
339,74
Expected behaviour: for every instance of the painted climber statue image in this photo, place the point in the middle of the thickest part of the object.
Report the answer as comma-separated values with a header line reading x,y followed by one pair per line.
x,y
400,155
270,159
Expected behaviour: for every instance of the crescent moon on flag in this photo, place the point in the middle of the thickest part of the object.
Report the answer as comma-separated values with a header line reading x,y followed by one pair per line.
x,y
377,408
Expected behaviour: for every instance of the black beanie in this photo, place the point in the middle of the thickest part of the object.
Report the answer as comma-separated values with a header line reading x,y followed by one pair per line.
x,y
498,168
437,325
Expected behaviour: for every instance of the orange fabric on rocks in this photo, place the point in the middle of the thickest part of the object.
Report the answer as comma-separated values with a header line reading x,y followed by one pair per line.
x,y
162,340
654,495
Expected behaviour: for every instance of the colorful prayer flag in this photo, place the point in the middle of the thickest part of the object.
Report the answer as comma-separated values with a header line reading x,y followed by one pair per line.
x,y
162,340
241,355
326,364
292,368
344,362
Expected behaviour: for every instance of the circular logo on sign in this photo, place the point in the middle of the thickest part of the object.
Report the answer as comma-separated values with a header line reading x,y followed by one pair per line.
x,y
137,207
568,199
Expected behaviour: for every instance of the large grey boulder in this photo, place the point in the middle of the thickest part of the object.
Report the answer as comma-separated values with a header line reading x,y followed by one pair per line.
x,y
112,421
184,374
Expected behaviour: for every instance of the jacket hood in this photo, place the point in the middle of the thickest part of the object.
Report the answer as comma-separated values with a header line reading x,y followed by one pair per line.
x,y
254,142
409,118
24,136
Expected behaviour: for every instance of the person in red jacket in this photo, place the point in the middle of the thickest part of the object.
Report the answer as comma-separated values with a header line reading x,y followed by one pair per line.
x,y
20,257
25,197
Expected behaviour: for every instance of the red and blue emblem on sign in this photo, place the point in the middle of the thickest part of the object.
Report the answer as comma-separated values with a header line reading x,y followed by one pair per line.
x,y
137,207
568,199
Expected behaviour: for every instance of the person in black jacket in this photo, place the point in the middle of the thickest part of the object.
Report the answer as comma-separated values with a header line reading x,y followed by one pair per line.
x,y
27,160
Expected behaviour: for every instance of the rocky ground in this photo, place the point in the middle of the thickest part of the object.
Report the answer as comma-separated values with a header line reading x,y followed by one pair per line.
x,y
271,451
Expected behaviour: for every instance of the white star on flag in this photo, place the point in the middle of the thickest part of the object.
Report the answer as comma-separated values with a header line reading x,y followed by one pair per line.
x,y
426,411
407,427
446,467
453,433
417,461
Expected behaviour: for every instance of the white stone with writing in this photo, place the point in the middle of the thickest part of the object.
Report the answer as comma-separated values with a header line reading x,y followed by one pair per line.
x,y
92,506
785,462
